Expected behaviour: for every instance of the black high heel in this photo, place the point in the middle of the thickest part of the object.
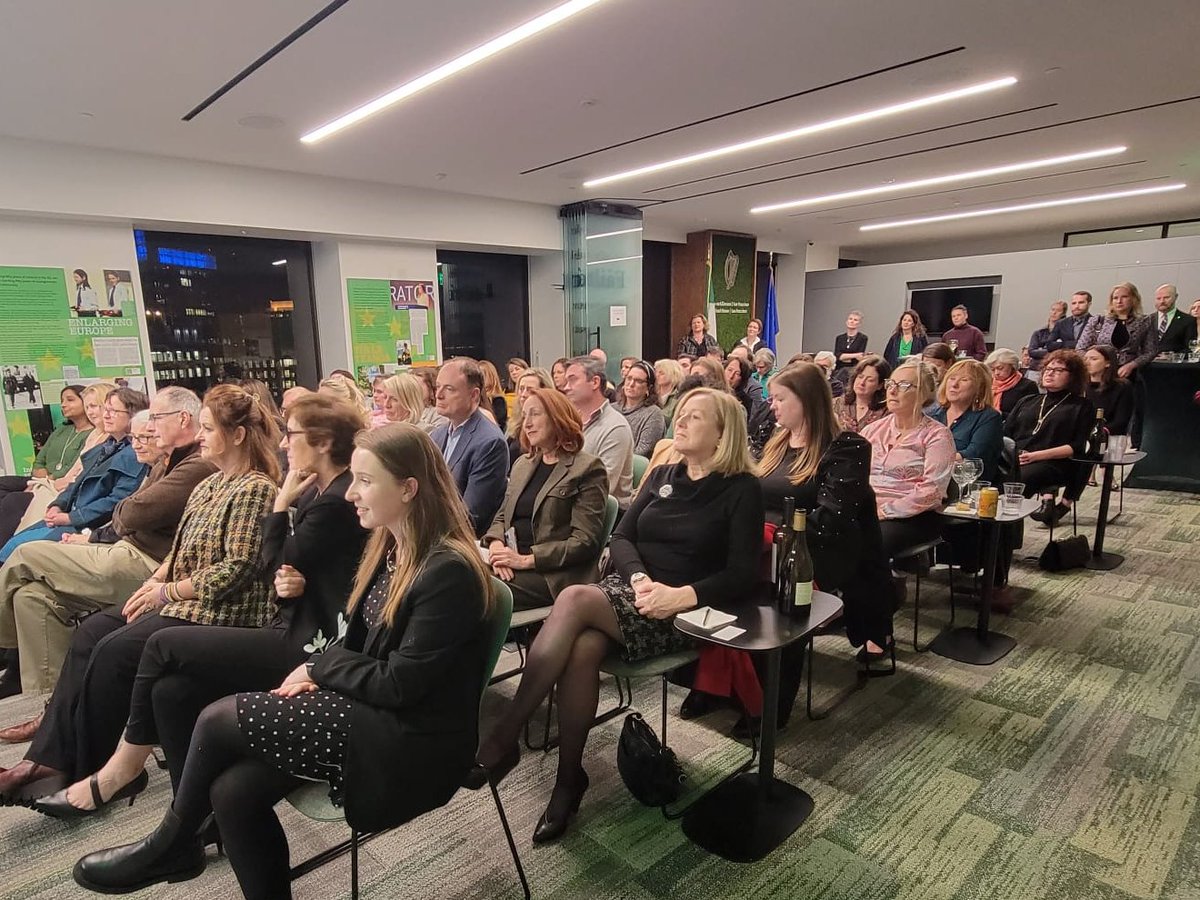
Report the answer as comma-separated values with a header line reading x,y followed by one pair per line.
x,y
479,774
551,828
57,806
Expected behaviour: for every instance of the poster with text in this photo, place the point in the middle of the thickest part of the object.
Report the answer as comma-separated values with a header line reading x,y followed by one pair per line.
x,y
392,324
57,328
731,287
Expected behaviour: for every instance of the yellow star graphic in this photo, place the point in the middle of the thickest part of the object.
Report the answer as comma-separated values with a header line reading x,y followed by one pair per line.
x,y
19,426
48,361
396,329
367,318
86,351
28,463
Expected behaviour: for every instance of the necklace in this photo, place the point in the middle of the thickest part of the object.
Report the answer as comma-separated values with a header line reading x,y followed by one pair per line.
x,y
391,561
1044,413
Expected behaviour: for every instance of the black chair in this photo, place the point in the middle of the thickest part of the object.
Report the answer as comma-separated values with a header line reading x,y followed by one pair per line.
x,y
923,557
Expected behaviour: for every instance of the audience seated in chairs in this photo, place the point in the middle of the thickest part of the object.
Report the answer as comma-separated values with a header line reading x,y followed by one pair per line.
x,y
389,717
1008,384
692,537
111,472
527,381
46,586
1051,428
912,457
606,433
966,406
668,376
866,400
827,471
55,458
404,401
1106,390
212,576
939,357
313,551
759,421
472,445
637,401
554,506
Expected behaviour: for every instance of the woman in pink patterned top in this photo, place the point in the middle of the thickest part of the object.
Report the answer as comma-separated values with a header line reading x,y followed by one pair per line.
x,y
912,457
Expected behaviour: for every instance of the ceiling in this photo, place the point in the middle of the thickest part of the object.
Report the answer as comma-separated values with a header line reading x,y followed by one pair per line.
x,y
586,98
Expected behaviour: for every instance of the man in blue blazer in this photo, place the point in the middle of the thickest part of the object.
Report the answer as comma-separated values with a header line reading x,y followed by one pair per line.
x,y
473,446
1069,329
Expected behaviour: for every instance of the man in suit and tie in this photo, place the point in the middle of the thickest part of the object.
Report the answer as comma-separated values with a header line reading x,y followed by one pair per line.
x,y
1175,329
473,447
1068,329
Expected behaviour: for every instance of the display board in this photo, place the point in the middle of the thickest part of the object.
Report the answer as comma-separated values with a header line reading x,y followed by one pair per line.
x,y
57,327
731,273
393,326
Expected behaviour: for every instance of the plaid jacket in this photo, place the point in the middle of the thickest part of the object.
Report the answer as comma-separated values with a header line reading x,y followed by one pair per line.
x,y
219,547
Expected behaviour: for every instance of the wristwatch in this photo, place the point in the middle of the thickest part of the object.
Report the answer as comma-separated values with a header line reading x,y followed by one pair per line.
x,y
638,578
308,668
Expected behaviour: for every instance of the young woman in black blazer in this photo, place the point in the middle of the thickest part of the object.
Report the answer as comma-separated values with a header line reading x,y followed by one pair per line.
x,y
312,552
388,716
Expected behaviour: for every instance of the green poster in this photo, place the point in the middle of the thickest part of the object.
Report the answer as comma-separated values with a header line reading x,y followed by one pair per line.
x,y
58,328
731,286
392,326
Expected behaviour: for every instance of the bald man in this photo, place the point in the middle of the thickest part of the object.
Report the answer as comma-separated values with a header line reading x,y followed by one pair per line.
x,y
1175,329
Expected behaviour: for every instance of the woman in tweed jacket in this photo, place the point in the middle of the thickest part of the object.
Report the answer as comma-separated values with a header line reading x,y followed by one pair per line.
x,y
213,576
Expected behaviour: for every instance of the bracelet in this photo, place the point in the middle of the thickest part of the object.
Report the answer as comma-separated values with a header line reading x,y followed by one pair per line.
x,y
163,595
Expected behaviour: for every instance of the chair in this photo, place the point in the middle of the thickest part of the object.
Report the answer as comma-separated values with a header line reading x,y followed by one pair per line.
x,y
917,552
640,465
524,620
312,800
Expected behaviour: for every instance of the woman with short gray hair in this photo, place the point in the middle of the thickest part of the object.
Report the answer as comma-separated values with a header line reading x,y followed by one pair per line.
x,y
1008,386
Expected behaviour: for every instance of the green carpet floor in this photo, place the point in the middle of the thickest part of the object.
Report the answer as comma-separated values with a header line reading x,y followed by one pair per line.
x,y
1067,770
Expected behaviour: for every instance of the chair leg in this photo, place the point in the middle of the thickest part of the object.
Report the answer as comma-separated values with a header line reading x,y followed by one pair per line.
x,y
354,865
917,613
512,845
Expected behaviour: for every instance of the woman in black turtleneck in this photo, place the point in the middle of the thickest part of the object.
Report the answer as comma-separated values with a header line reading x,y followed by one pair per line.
x,y
1051,428
1106,391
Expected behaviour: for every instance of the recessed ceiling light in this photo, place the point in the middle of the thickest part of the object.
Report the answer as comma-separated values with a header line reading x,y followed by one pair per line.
x,y
894,187
1023,207
453,67
279,262
592,237
815,128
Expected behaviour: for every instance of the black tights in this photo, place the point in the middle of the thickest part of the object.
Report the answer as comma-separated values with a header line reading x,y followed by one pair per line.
x,y
224,776
567,652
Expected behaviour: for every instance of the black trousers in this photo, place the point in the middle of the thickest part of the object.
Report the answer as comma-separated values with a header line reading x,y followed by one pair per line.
x,y
183,670
1051,474
900,534
13,502
90,703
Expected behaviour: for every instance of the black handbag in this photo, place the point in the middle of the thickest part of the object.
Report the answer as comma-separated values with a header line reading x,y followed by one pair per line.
x,y
1061,556
650,770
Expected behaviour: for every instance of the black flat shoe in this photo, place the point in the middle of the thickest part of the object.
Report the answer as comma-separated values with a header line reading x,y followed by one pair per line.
x,y
480,774
166,855
57,806
1057,513
697,704
553,823
1042,513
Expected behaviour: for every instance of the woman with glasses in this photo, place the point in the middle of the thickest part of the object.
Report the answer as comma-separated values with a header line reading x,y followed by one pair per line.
x,y
912,457
1051,428
213,575
111,472
638,403
311,543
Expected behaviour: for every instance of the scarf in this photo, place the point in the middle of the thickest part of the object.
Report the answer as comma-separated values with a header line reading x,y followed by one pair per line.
x,y
999,387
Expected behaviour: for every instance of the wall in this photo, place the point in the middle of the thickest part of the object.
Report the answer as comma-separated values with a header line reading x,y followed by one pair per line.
x,y
791,301
547,312
1030,282
65,245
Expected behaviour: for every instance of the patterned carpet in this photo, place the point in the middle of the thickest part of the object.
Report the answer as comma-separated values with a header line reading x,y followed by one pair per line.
x,y
1068,770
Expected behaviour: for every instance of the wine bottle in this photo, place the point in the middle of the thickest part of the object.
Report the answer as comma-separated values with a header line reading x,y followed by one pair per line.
x,y
1097,441
783,546
801,568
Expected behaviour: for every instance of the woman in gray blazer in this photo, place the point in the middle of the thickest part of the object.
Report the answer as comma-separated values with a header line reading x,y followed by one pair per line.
x,y
548,532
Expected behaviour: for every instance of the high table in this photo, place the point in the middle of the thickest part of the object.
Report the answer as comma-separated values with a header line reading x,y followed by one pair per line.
x,y
745,818
979,646
1170,429
1099,559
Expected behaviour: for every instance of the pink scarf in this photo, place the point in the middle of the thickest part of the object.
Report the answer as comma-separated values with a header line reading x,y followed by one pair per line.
x,y
999,387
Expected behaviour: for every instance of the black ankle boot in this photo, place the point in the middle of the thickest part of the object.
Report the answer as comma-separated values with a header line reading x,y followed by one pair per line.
x,y
166,855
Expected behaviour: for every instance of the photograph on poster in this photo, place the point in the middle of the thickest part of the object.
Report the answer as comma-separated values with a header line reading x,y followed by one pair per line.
x,y
82,297
22,389
403,353
118,290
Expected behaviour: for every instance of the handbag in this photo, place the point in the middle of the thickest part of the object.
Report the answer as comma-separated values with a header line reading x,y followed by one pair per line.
x,y
1069,553
650,771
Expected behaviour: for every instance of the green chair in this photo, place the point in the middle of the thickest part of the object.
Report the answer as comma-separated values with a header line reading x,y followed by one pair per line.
x,y
640,465
312,800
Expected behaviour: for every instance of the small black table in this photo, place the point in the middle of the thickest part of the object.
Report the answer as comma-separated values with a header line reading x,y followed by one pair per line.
x,y
1106,562
745,818
978,646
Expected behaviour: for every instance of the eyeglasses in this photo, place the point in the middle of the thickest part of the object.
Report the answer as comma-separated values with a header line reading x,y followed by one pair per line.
x,y
141,438
289,434
902,386
108,410
1049,369
154,417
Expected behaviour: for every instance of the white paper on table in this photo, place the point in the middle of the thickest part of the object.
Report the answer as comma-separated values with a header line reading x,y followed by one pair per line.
x,y
728,633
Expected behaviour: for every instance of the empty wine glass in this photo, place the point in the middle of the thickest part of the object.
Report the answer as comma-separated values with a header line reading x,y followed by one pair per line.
x,y
962,473
976,469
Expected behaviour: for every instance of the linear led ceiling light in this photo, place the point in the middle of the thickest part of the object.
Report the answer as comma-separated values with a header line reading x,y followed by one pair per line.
x,y
592,237
454,66
977,174
597,262
1023,207
816,128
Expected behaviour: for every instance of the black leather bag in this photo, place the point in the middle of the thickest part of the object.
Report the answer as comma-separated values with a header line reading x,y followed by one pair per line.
x,y
650,770
1061,556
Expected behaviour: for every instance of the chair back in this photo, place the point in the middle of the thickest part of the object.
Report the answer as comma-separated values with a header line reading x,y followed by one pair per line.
x,y
640,465
1009,468
498,622
610,519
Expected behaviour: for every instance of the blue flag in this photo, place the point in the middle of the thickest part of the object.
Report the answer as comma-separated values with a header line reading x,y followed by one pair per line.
x,y
771,315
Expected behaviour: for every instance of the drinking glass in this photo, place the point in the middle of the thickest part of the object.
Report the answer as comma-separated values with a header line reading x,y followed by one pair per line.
x,y
976,470
1194,348
962,473
1014,492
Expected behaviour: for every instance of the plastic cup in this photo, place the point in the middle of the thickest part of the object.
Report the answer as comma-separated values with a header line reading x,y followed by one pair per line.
x,y
1014,492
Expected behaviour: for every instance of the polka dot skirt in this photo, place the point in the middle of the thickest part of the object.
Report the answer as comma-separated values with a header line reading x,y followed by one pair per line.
x,y
306,735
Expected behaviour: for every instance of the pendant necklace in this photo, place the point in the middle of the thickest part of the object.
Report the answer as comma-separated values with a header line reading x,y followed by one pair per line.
x,y
1044,413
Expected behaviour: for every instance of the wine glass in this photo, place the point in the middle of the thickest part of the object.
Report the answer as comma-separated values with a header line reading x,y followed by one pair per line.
x,y
975,467
1194,349
962,473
